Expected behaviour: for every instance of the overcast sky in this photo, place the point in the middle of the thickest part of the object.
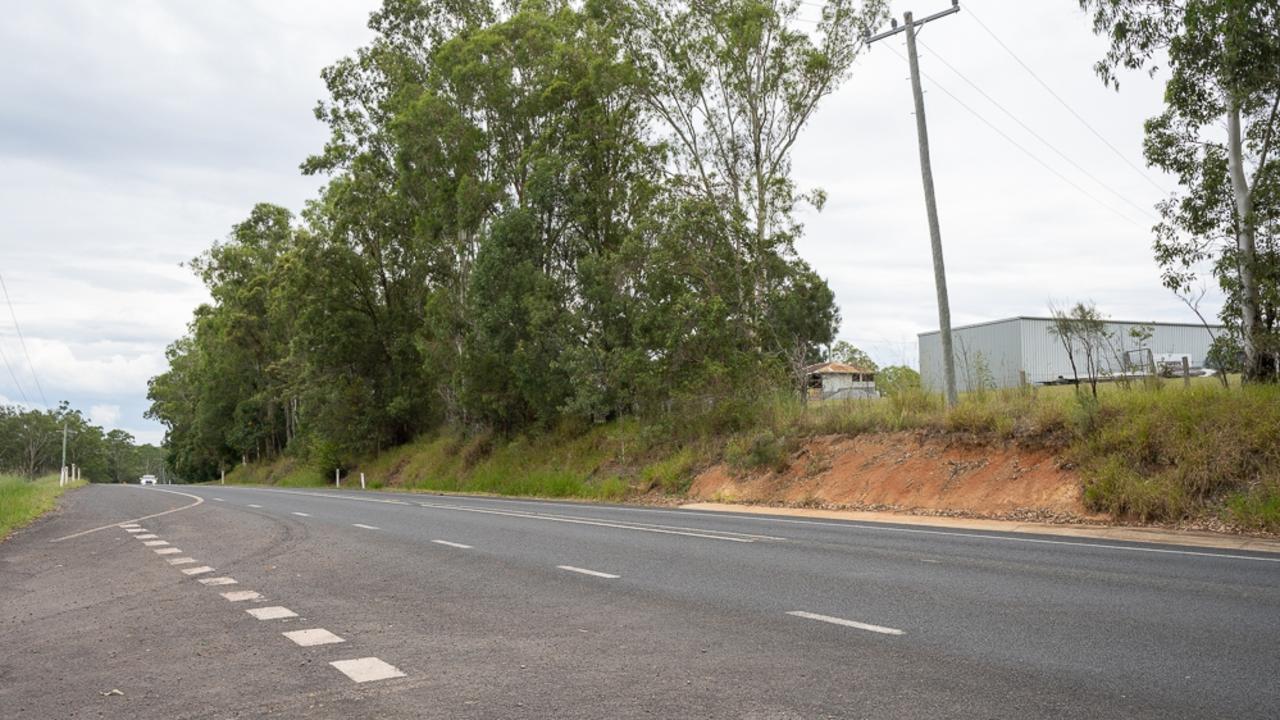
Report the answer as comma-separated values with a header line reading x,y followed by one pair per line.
x,y
133,134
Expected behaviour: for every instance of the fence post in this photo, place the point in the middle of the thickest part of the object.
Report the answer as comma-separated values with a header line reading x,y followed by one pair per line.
x,y
1186,371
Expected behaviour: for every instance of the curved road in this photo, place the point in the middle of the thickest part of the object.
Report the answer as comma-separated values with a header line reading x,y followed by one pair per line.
x,y
257,602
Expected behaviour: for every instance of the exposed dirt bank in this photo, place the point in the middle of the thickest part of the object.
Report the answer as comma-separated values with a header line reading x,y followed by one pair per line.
x,y
907,471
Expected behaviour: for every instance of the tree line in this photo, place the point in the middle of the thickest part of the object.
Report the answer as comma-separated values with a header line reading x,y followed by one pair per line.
x,y
535,214
31,445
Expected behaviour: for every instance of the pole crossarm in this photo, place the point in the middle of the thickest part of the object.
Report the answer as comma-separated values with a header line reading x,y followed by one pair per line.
x,y
955,8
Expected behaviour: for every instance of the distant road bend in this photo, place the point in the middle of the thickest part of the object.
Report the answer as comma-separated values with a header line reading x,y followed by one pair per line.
x,y
222,601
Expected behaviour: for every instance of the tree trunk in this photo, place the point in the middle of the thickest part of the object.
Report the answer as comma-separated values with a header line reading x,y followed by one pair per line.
x,y
1247,254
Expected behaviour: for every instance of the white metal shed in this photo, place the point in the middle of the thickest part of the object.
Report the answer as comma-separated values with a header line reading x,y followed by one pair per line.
x,y
1000,350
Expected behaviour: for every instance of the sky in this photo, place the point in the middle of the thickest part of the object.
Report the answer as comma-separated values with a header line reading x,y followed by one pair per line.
x,y
133,134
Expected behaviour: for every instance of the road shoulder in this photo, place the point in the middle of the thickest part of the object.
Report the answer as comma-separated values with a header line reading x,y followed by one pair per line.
x,y
1159,536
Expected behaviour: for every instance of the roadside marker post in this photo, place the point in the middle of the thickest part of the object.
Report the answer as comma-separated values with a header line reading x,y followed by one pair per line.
x,y
361,481
337,479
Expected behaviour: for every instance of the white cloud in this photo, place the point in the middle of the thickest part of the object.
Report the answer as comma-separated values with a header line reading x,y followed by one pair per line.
x,y
105,415
134,134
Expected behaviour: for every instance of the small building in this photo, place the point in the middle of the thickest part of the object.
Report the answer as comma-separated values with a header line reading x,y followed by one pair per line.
x,y
839,381
1005,353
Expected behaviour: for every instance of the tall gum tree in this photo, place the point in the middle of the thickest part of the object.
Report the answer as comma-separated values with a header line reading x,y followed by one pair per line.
x,y
1218,136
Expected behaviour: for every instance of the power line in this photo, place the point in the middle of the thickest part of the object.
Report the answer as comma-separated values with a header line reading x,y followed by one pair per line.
x,y
1064,103
1018,145
1039,137
16,384
23,342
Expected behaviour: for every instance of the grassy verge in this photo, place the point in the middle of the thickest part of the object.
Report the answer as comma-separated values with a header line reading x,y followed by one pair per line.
x,y
23,500
1162,452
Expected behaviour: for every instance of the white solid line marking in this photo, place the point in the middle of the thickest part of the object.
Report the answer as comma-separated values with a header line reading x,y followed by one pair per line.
x,y
598,523
197,570
181,561
847,623
452,544
301,514
275,612
167,551
155,543
241,595
584,571
126,526
362,525
314,636
847,524
148,536
254,506
367,669
82,533
218,581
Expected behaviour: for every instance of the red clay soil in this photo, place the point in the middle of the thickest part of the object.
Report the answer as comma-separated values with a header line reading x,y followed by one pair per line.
x,y
906,471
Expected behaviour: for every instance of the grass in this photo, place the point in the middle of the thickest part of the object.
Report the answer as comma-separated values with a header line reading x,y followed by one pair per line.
x,y
1153,452
23,500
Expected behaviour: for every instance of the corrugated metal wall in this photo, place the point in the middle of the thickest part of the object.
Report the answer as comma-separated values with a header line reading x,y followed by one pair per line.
x,y
1003,347
989,350
1045,358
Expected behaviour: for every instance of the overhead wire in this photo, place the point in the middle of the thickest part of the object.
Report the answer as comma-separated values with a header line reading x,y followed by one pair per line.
x,y
1017,144
969,11
23,341
1037,135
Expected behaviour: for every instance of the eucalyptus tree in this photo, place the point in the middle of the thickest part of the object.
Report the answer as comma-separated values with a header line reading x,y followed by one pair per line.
x,y
1223,60
734,82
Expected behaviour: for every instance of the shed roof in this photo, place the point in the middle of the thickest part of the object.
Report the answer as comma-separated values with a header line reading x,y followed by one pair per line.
x,y
835,368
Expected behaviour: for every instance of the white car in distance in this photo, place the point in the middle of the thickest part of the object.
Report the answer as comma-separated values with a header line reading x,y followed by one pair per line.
x,y
147,480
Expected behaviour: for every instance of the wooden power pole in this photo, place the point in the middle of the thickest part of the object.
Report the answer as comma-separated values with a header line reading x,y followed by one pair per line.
x,y
930,202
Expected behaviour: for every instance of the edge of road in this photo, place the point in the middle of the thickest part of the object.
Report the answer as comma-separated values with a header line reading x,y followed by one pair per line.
x,y
1118,533
1159,536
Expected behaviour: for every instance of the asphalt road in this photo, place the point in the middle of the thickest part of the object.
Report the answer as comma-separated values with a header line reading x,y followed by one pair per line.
x,y
447,607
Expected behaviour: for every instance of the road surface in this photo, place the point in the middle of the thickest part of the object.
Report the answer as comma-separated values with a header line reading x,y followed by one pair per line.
x,y
232,602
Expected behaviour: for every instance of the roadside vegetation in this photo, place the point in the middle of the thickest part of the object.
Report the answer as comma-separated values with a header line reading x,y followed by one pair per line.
x,y
556,255
1159,453
22,500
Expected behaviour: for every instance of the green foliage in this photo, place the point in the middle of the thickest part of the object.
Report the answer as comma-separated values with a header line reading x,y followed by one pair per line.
x,y
845,352
674,473
1223,57
513,238
31,445
897,380
22,500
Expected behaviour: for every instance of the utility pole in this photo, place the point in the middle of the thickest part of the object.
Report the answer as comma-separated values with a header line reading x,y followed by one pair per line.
x,y
63,474
931,207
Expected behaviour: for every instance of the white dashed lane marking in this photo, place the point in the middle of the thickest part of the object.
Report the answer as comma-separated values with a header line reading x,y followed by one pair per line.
x,y
592,573
301,514
219,499
181,561
367,669
846,623
197,570
148,536
275,612
314,636
167,551
155,543
242,595
362,525
452,544
134,530
254,506
218,581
